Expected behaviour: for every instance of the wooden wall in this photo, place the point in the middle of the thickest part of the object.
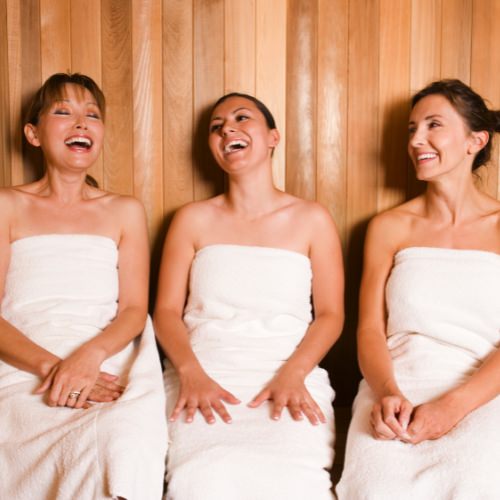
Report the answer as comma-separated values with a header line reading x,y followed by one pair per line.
x,y
336,73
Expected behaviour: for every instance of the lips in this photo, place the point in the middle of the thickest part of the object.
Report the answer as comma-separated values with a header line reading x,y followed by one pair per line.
x,y
235,145
79,142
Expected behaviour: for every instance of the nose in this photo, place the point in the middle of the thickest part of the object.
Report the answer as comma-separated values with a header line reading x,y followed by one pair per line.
x,y
227,128
81,122
417,138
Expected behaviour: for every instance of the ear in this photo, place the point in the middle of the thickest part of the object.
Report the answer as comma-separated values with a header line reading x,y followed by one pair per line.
x,y
274,138
31,134
479,140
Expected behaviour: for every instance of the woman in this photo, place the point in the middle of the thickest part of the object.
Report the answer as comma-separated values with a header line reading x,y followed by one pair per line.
x,y
248,259
80,391
425,421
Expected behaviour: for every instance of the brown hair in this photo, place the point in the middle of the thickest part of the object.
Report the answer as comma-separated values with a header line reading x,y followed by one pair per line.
x,y
53,90
471,107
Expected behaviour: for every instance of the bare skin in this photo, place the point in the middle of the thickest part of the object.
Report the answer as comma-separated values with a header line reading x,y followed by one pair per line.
x,y
62,203
252,212
453,213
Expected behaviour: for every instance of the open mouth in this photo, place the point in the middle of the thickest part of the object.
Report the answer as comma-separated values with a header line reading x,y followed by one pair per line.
x,y
79,142
234,146
426,156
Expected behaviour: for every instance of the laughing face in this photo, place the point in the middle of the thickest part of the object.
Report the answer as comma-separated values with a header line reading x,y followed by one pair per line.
x,y
440,140
239,134
70,132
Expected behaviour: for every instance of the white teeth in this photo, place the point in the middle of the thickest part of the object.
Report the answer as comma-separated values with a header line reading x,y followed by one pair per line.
x,y
85,141
235,146
426,156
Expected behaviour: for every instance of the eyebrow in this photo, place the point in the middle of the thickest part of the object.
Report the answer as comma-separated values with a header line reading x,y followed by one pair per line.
x,y
93,103
234,112
429,117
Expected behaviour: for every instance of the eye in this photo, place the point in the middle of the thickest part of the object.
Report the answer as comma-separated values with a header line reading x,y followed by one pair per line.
x,y
242,118
215,126
412,129
60,111
434,124
96,116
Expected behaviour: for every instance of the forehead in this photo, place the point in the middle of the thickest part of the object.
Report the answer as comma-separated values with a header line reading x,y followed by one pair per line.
x,y
74,92
231,105
431,105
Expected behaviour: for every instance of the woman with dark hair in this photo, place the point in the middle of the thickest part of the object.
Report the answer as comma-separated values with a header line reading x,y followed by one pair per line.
x,y
234,317
80,388
425,421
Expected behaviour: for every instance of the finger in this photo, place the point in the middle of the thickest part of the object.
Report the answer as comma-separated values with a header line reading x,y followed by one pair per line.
x,y
181,403
309,413
56,394
206,411
222,412
295,410
108,376
390,420
82,398
380,429
230,398
190,411
405,414
46,383
263,395
101,394
112,386
277,410
317,410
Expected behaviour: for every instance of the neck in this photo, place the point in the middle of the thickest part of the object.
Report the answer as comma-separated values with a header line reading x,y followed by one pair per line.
x,y
65,188
453,202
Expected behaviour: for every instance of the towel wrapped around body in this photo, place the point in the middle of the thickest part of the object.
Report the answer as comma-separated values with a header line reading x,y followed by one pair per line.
x,y
443,321
248,309
60,291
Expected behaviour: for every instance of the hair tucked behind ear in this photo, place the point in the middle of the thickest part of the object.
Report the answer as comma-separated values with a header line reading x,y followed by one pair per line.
x,y
471,106
53,89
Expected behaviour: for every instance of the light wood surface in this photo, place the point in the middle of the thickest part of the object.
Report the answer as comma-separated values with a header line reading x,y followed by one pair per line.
x,y
337,74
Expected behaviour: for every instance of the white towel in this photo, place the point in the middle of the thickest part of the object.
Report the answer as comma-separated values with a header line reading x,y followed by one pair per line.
x,y
248,309
60,291
443,320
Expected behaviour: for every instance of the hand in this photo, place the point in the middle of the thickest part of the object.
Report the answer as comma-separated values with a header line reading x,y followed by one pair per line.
x,y
390,418
71,380
199,391
433,420
288,390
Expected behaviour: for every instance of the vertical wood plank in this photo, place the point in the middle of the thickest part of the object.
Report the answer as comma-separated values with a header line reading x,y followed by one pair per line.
x,y
55,22
86,53
270,72
456,39
301,98
177,104
362,124
331,136
484,76
395,20
5,142
117,86
147,98
31,79
425,57
208,87
239,46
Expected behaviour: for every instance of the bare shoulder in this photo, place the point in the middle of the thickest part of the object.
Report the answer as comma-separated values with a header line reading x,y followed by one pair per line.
x,y
310,213
9,200
123,205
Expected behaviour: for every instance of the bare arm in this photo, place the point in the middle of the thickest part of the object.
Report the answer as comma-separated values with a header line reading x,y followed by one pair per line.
x,y
197,390
287,389
392,412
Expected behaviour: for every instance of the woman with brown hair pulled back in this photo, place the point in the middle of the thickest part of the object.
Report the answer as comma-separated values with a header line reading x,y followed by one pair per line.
x,y
426,418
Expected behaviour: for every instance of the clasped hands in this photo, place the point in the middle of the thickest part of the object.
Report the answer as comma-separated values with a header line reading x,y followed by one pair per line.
x,y
394,417
200,392
77,382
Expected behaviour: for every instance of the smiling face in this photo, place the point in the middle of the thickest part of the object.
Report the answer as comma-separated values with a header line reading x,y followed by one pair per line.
x,y
239,134
440,140
70,131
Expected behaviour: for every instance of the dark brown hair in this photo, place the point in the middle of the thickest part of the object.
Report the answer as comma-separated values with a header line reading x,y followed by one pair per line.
x,y
472,109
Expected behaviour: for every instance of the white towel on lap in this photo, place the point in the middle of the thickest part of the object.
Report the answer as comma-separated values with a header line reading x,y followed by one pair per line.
x,y
60,291
248,309
443,320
